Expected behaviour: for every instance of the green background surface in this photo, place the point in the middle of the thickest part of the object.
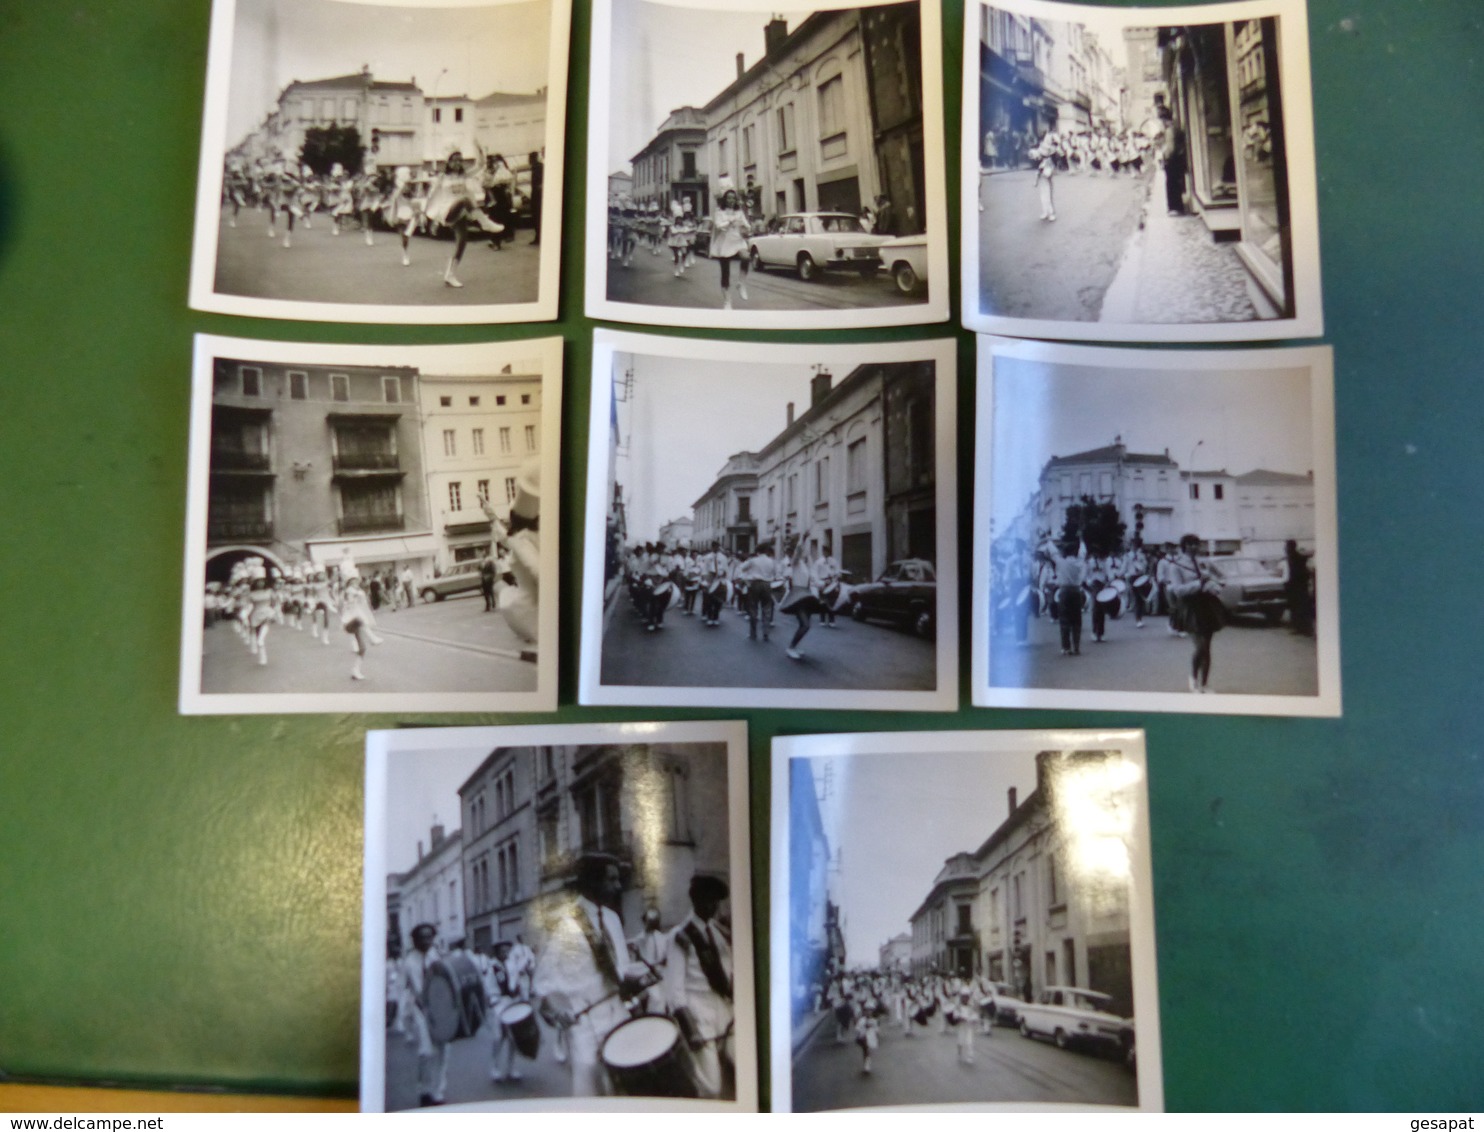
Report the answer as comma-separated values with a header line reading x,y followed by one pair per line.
x,y
180,898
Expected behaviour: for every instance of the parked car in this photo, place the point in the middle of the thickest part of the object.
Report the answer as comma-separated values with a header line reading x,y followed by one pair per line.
x,y
1249,586
811,242
457,579
1074,1017
1006,1004
906,594
905,260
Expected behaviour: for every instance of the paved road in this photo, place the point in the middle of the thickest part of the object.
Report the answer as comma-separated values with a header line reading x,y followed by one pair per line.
x,y
469,1063
1247,658
453,646
925,1069
687,654
324,268
1030,268
651,279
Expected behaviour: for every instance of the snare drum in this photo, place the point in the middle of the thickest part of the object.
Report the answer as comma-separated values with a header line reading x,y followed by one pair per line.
x,y
519,1020
645,1057
1109,600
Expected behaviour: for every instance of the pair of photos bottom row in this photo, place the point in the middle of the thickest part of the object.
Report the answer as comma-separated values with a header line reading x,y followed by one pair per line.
x,y
561,918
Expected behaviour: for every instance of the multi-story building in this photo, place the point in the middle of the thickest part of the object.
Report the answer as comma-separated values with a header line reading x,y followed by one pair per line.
x,y
677,533
1015,59
1273,507
672,165
477,433
811,911
724,513
828,118
448,126
388,115
512,125
620,185
944,937
896,954
531,812
432,891
1143,79
1222,81
1142,485
1053,897
311,463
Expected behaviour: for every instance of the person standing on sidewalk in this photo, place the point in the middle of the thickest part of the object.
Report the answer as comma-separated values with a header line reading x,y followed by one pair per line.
x,y
1175,163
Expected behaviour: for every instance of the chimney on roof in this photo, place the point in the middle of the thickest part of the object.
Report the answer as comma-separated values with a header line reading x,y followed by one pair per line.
x,y
1012,801
819,387
419,850
741,66
437,837
790,414
774,34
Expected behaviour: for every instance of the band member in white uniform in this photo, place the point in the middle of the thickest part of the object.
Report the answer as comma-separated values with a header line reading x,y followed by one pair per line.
x,y
698,985
432,1057
756,574
1135,568
584,972
827,585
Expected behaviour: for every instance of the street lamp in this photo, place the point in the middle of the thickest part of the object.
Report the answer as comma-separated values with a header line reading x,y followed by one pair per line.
x,y
1191,462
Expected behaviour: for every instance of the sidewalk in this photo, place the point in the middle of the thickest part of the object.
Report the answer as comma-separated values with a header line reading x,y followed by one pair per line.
x,y
806,1027
1173,271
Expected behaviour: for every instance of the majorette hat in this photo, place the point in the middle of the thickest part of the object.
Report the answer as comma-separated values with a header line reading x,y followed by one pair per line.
x,y
527,503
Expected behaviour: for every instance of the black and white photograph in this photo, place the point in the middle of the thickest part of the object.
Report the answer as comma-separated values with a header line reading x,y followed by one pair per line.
x,y
963,920
366,528
1155,530
770,526
758,168
1139,174
558,918
372,161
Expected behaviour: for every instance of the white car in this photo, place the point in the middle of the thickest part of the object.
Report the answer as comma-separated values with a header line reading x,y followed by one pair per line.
x,y
1072,1016
811,242
905,260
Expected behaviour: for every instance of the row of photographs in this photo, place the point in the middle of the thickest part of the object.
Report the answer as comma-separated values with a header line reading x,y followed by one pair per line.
x,y
1127,174
561,917
765,526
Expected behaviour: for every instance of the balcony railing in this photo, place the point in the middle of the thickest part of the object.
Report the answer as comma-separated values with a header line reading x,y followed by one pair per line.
x,y
366,462
239,460
364,524
239,530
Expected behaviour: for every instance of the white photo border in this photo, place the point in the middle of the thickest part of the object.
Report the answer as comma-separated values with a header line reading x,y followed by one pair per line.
x,y
907,745
381,746
934,309
591,690
1303,195
209,347
204,296
1319,361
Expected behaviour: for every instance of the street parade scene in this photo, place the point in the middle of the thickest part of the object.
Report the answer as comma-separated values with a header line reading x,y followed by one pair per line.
x,y
551,949
732,186
791,544
1181,555
940,957
1131,174
369,528
347,184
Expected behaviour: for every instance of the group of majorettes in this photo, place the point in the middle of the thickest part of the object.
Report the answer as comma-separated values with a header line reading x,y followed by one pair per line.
x,y
462,197
631,226
863,1001
252,603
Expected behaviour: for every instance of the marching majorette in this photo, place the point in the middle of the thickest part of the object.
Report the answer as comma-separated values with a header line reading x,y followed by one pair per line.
x,y
800,599
729,231
456,201
357,619
281,189
682,234
1197,609
259,615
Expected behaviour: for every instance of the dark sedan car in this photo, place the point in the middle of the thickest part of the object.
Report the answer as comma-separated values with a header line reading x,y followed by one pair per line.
x,y
906,594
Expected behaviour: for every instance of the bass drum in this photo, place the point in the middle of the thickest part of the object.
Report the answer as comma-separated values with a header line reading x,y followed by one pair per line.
x,y
645,1057
453,999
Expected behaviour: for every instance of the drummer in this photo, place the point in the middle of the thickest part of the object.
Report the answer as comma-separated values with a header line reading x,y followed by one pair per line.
x,y
504,992
432,1056
1135,571
1100,570
583,974
698,985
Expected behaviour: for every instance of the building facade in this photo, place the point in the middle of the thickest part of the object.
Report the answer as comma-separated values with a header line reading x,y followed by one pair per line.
x,y
477,434
811,915
945,939
677,533
725,513
811,126
660,809
390,118
1039,75
896,954
1053,896
672,165
512,125
432,891
312,463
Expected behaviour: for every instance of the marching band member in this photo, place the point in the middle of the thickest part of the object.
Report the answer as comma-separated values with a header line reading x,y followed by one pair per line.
x,y
455,201
1070,570
432,1057
357,619
1135,570
282,195
714,569
962,1017
698,985
1199,609
826,581
800,599
584,973
756,574
729,231
260,613
867,1031
1099,577
503,992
